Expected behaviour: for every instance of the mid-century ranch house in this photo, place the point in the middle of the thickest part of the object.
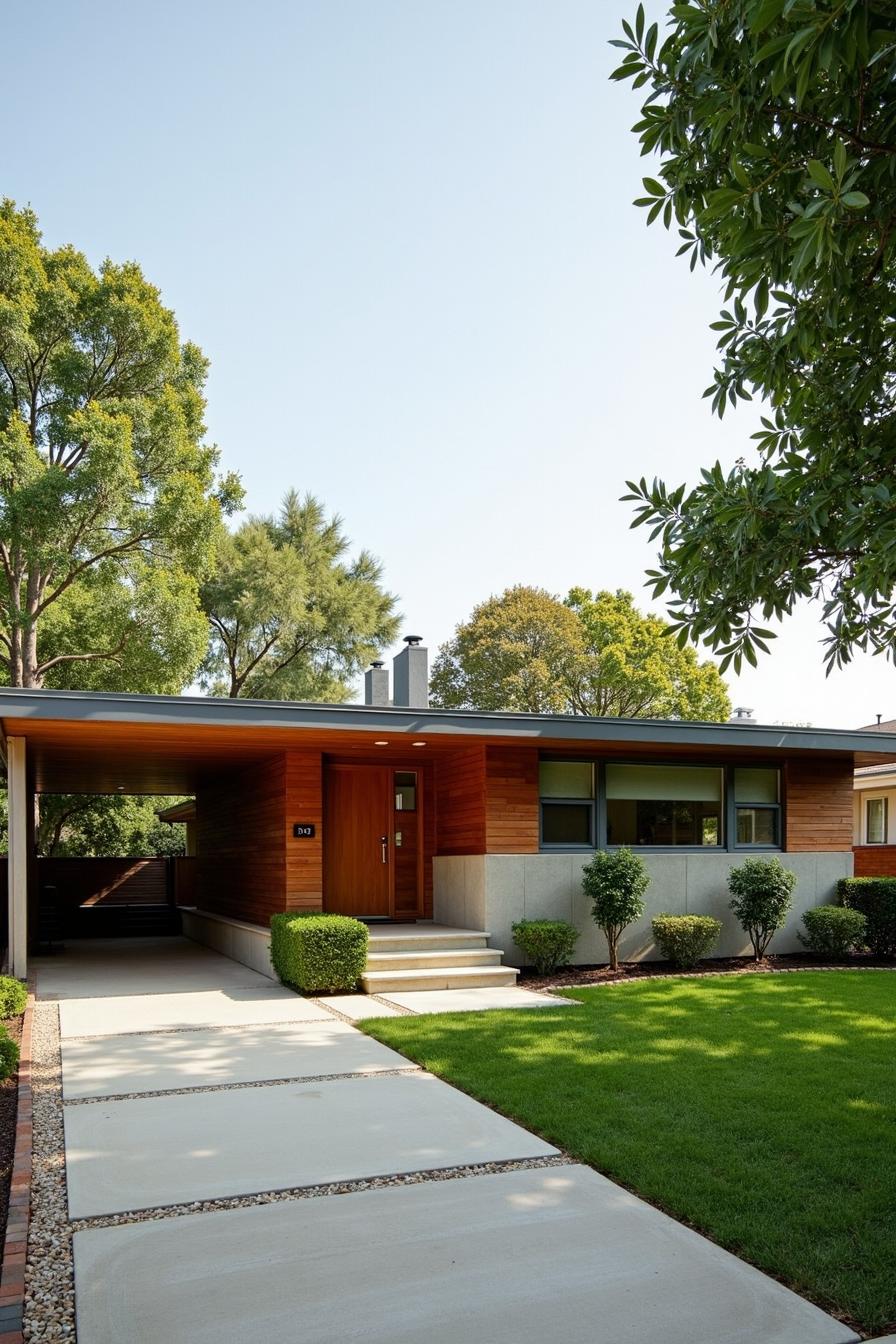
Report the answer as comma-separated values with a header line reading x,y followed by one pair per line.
x,y
395,811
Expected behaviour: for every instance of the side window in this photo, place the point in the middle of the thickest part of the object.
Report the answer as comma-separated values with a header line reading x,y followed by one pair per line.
x,y
757,808
566,790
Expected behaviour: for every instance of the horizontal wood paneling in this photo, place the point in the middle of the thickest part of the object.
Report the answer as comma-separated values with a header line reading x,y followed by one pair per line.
x,y
460,802
241,842
304,858
511,800
102,882
818,796
874,860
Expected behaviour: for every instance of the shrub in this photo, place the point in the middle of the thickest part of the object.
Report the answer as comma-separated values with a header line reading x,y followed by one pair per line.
x,y
875,898
761,889
833,930
616,880
318,954
684,939
546,943
9,1054
13,996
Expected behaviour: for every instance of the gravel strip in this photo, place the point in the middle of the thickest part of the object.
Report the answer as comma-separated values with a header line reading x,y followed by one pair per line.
x,y
49,1283
239,1087
396,1007
319,1191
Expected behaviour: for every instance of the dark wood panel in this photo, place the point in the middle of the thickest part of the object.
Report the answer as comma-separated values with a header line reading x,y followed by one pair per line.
x,y
358,855
460,802
241,842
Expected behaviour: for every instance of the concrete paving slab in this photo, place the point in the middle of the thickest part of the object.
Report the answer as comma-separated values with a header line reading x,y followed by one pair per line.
x,y
359,1006
513,1258
98,1066
239,1005
473,1000
94,968
204,1145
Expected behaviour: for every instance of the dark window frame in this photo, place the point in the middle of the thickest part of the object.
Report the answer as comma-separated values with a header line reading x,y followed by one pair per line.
x,y
879,798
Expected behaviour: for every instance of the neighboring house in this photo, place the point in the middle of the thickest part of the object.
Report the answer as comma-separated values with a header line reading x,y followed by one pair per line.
x,y
395,811
874,831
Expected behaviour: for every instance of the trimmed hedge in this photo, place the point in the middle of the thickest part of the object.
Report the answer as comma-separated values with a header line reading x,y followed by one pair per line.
x,y
875,898
833,930
547,943
319,954
684,939
13,996
9,1054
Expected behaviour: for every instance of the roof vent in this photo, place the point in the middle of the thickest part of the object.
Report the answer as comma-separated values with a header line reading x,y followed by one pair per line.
x,y
742,715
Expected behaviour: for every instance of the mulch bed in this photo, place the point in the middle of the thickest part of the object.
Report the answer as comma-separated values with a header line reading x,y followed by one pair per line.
x,y
9,1101
644,970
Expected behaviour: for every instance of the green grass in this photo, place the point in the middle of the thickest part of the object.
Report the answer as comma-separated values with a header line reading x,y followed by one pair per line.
x,y
759,1109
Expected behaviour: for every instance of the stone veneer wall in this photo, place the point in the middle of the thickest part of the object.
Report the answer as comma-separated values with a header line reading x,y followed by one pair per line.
x,y
493,891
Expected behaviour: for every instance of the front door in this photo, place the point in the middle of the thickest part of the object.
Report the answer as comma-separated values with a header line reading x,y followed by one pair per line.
x,y
373,856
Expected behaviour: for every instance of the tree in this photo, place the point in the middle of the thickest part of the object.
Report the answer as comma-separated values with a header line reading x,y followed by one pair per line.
x,y
291,615
632,669
109,502
616,880
761,897
90,826
593,654
776,126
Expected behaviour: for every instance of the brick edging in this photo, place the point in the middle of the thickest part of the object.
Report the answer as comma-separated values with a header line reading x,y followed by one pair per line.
x,y
15,1246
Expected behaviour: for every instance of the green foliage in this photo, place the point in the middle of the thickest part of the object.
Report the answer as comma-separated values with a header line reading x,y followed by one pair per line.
x,y
761,891
875,897
91,826
319,954
615,880
292,616
110,502
9,1054
593,654
833,930
775,124
684,939
13,996
546,943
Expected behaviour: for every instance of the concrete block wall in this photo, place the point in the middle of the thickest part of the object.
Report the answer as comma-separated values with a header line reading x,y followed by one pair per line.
x,y
493,891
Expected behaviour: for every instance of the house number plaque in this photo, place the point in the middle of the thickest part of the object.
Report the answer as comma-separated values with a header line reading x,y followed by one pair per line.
x,y
303,830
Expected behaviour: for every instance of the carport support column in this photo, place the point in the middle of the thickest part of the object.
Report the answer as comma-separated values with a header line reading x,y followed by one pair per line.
x,y
19,802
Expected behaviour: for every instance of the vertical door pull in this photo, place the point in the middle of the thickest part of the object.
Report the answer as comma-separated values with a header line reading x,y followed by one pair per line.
x,y
384,840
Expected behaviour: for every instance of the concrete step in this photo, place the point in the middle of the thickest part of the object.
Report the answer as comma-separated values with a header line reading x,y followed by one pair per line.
x,y
447,977
426,959
420,941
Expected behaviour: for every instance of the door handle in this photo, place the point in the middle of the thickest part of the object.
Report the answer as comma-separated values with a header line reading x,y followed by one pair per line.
x,y
384,840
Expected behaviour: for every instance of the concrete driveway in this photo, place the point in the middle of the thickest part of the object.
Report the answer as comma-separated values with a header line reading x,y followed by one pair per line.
x,y
243,1164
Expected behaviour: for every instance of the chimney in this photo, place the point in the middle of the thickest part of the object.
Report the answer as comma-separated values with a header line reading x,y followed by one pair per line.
x,y
742,715
411,675
376,685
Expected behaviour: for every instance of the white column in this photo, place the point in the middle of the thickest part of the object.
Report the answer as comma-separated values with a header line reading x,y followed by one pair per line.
x,y
17,785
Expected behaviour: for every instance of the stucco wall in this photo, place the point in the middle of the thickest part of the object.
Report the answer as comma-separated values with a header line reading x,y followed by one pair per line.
x,y
493,891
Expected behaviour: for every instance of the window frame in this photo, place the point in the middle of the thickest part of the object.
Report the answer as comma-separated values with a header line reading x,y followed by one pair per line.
x,y
598,805
878,798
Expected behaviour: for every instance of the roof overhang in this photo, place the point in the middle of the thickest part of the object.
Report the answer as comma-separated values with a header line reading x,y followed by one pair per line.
x,y
93,742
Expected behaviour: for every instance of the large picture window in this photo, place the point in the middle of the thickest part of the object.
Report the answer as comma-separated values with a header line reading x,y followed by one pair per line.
x,y
664,805
757,808
567,804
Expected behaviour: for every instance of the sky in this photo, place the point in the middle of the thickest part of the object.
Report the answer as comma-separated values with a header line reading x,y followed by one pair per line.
x,y
403,233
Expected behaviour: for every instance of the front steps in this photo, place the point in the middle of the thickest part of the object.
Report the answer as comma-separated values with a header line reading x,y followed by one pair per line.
x,y
420,956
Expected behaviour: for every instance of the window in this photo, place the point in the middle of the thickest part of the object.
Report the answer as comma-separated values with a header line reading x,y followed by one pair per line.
x,y
405,791
664,805
567,804
757,807
875,821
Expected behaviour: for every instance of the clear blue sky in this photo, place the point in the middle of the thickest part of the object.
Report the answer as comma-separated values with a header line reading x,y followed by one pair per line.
x,y
402,231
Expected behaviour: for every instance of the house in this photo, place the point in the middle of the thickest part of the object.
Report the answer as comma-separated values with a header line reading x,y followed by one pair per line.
x,y
874,826
393,811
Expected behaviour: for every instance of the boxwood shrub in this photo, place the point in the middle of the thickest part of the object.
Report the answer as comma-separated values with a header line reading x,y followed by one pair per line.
x,y
547,944
13,996
875,898
684,939
833,930
319,954
9,1054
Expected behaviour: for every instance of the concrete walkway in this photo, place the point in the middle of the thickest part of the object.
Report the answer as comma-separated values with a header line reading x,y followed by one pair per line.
x,y
243,1164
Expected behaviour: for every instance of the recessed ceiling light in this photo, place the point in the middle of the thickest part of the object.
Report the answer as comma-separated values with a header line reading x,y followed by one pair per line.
x,y
381,744
418,744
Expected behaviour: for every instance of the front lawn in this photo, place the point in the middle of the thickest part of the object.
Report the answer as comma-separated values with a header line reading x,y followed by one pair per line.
x,y
759,1109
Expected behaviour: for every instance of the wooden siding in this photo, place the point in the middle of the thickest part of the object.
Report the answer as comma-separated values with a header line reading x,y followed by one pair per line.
x,y
304,858
875,860
818,799
460,802
511,800
241,842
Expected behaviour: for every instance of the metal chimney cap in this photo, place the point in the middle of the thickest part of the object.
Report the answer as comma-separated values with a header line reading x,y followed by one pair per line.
x,y
413,640
377,664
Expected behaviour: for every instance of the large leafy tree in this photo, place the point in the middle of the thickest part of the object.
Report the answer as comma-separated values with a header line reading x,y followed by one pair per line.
x,y
292,615
593,654
109,501
775,123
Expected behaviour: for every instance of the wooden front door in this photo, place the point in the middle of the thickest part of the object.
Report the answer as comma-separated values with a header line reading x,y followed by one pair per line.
x,y
357,848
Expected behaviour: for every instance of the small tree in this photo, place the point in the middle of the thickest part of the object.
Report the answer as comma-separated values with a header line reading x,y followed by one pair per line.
x,y
761,891
616,881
